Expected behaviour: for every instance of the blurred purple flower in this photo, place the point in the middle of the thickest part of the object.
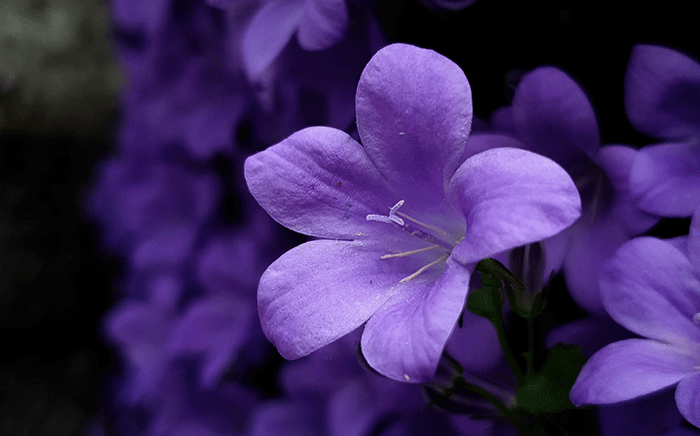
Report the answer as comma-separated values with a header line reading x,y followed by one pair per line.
x,y
405,273
662,100
318,24
552,116
452,5
152,211
653,289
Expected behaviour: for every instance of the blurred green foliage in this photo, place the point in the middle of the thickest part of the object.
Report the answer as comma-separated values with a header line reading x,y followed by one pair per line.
x,y
58,84
56,71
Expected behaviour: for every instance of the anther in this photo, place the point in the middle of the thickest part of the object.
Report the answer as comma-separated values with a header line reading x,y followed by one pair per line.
x,y
391,218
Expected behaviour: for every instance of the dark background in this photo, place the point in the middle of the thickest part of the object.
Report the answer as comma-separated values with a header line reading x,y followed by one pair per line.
x,y
57,123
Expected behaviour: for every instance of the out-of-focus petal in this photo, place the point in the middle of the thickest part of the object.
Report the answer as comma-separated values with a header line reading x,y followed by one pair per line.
x,y
414,113
268,33
650,288
554,117
617,161
662,92
629,369
665,179
693,241
405,337
510,198
319,182
323,24
688,398
216,327
592,243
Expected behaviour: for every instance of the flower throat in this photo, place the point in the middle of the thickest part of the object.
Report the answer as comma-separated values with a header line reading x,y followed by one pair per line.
x,y
434,236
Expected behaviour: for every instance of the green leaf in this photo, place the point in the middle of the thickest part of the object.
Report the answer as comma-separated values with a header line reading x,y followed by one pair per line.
x,y
487,300
548,390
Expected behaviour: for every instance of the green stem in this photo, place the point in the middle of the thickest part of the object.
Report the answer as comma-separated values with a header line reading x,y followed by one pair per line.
x,y
461,383
530,354
500,327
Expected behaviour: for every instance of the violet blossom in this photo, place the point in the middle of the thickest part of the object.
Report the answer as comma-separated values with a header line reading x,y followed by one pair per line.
x,y
318,24
552,116
662,100
401,219
652,288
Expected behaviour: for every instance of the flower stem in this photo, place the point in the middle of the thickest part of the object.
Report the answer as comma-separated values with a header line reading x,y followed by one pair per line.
x,y
500,327
530,354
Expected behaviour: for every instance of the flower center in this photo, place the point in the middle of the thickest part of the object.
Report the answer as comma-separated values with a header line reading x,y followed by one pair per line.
x,y
437,238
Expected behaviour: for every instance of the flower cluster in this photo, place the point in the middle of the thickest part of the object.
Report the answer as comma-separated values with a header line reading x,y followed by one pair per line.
x,y
320,238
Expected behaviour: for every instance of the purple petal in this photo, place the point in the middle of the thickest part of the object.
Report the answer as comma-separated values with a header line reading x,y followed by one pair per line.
x,y
665,179
319,182
688,398
591,334
553,115
629,369
616,161
404,339
650,288
693,241
592,244
475,345
216,327
286,418
324,289
414,112
323,24
486,141
510,198
268,33
662,92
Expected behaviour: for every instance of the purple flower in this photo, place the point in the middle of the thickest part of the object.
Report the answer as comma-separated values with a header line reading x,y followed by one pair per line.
x,y
552,116
653,289
401,219
318,24
662,100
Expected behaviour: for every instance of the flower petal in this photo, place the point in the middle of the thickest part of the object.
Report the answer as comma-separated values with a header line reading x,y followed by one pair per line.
x,y
554,116
510,198
322,290
688,398
268,33
593,242
404,339
665,179
629,369
319,182
324,23
662,91
693,241
650,288
216,327
414,112
617,161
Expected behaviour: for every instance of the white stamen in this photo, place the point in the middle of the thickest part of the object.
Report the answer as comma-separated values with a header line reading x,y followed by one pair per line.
x,y
408,253
423,224
417,273
696,318
392,218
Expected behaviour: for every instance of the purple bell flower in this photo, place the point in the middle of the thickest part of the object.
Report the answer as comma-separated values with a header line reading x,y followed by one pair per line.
x,y
662,100
653,289
552,116
401,218
318,24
